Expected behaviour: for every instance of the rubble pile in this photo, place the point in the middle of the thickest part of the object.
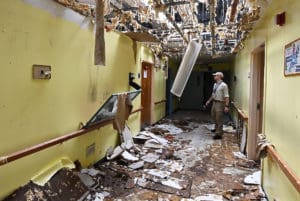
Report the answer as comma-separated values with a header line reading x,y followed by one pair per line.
x,y
173,160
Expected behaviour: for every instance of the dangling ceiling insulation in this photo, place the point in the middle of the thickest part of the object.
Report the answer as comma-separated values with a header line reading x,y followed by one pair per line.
x,y
220,25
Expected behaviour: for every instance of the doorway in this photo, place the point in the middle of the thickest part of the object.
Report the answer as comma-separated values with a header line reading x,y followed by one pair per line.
x,y
256,106
192,97
146,96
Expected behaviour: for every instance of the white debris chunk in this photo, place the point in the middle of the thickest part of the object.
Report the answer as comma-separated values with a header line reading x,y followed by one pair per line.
x,y
209,197
254,178
91,171
86,179
152,143
136,165
142,182
228,129
233,171
209,127
239,154
128,156
158,173
150,158
100,196
171,128
127,137
172,166
173,183
112,154
160,140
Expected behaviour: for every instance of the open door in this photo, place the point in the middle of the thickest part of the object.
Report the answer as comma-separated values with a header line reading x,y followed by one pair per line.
x,y
256,99
146,98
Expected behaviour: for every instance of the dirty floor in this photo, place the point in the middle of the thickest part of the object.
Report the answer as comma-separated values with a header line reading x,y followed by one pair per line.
x,y
177,160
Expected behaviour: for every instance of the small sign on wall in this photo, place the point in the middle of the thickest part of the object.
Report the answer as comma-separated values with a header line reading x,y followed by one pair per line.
x,y
292,58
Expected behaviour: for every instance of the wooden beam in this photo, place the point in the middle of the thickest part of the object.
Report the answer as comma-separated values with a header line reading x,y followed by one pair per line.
x,y
99,54
178,29
212,17
234,5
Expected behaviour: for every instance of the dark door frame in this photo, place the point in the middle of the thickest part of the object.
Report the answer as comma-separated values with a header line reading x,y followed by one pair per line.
x,y
256,99
147,93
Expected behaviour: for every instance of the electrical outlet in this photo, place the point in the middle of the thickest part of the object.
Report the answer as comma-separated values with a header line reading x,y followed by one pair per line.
x,y
41,71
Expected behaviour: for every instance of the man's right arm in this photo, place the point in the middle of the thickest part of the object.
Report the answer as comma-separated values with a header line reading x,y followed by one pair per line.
x,y
209,100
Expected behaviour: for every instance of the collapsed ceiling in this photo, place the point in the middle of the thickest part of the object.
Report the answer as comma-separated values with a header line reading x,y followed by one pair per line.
x,y
220,25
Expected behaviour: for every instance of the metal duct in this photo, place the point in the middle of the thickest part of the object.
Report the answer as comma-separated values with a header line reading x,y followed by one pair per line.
x,y
185,68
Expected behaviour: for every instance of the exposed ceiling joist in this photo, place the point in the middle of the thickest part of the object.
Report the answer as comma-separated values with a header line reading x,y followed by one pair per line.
x,y
220,25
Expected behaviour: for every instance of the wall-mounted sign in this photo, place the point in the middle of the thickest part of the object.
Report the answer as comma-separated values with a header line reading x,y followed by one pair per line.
x,y
292,58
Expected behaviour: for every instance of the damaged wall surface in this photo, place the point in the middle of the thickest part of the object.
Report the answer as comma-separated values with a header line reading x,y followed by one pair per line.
x,y
32,111
281,112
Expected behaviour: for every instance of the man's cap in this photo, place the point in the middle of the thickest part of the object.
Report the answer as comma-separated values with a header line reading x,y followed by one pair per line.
x,y
218,73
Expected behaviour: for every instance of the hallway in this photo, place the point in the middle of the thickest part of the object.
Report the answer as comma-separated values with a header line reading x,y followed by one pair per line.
x,y
201,169
114,100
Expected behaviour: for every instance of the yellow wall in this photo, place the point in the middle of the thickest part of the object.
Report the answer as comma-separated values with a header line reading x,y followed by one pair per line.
x,y
159,94
282,109
32,111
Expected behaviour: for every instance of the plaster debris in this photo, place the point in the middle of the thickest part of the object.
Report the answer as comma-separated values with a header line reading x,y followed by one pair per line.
x,y
169,165
209,197
91,171
155,137
86,179
114,153
136,165
128,156
191,166
233,171
239,154
171,128
150,158
254,178
142,182
98,196
172,183
229,129
152,143
158,173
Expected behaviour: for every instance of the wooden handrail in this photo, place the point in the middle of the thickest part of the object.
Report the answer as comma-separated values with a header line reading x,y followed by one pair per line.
x,y
240,112
159,102
290,174
44,145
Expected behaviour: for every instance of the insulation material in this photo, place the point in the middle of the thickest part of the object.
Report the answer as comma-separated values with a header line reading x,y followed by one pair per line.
x,y
48,172
99,54
123,112
142,37
186,68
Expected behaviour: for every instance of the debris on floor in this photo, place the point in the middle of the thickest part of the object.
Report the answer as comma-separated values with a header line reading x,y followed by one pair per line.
x,y
189,166
64,185
253,178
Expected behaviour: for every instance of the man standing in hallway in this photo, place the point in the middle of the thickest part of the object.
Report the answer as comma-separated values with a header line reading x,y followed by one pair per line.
x,y
220,99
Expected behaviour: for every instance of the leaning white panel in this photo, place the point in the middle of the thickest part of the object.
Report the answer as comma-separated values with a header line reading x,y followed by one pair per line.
x,y
186,67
